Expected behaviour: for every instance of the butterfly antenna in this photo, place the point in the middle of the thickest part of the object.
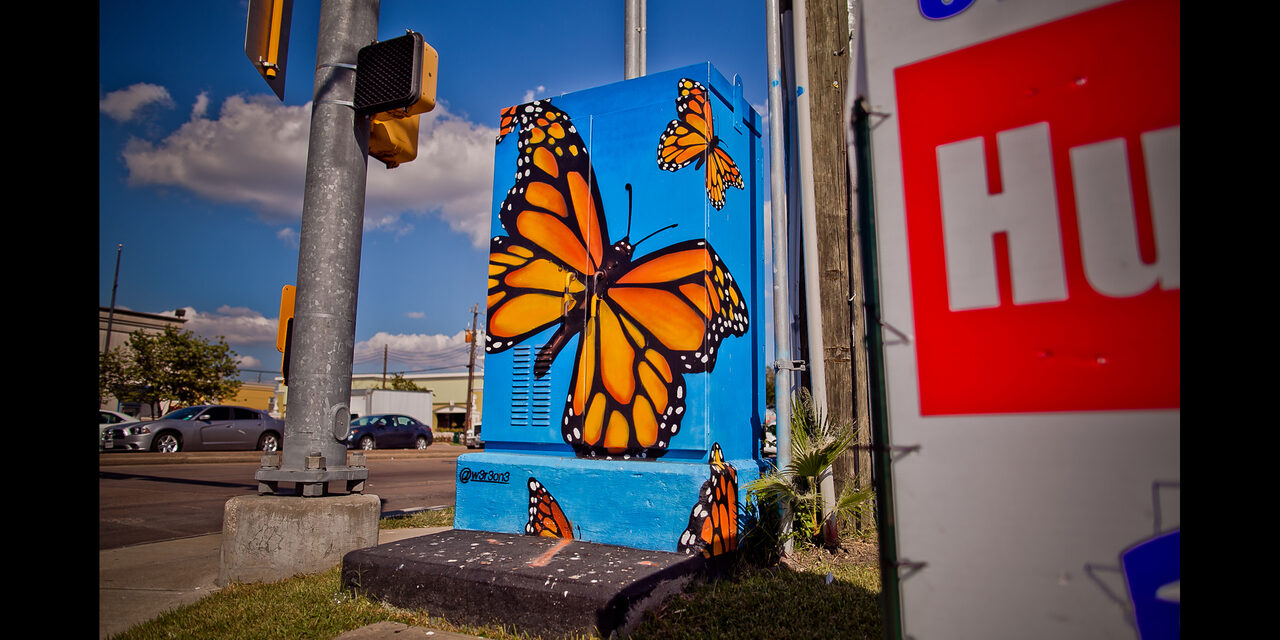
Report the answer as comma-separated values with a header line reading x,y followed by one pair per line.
x,y
670,226
628,187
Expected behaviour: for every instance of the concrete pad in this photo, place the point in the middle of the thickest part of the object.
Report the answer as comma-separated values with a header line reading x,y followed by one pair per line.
x,y
542,586
141,582
272,537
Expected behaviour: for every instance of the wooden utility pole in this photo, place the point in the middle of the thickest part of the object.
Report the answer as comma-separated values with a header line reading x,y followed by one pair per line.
x,y
828,53
384,366
471,368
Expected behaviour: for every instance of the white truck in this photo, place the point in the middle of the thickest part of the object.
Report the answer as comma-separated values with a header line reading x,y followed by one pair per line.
x,y
418,405
472,437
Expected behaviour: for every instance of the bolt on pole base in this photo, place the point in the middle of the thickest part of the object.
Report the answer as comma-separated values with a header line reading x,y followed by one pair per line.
x,y
314,479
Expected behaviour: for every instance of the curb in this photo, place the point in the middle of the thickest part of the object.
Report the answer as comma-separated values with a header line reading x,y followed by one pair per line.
x,y
116,458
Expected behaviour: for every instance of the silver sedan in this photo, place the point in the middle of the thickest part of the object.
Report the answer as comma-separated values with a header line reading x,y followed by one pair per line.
x,y
199,428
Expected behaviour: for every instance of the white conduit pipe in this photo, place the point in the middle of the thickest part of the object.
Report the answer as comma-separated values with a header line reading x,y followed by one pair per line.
x,y
778,206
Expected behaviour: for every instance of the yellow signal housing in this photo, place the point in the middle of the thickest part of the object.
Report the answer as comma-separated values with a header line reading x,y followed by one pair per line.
x,y
286,317
393,140
427,86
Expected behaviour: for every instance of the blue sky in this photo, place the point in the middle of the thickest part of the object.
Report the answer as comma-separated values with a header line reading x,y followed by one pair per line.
x,y
201,167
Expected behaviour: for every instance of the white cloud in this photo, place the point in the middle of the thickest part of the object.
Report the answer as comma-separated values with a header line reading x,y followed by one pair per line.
x,y
124,104
201,107
416,315
531,94
418,352
452,177
255,153
241,327
238,325
290,236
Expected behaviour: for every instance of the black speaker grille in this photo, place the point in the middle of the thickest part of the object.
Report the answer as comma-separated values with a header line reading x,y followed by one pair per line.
x,y
386,76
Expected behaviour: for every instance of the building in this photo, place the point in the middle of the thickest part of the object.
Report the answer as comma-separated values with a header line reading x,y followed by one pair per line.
x,y
255,395
114,327
449,389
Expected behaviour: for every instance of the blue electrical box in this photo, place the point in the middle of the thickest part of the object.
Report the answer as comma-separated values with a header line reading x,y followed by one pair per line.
x,y
624,344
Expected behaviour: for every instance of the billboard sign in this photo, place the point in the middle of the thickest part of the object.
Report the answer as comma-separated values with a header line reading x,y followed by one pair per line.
x,y
1027,176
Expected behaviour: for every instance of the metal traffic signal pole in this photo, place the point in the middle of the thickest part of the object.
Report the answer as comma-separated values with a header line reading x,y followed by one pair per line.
x,y
318,416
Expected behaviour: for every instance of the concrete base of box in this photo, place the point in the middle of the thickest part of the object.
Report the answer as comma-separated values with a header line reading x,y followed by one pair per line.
x,y
544,586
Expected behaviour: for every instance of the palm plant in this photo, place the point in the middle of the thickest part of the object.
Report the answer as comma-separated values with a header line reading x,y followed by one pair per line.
x,y
816,442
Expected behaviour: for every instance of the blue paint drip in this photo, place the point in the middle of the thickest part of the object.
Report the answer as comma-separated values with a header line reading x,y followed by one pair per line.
x,y
799,91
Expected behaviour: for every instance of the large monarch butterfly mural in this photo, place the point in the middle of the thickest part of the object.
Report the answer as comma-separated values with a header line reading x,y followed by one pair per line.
x,y
690,138
641,323
713,522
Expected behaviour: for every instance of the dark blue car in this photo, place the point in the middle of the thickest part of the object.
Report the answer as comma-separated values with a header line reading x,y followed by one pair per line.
x,y
388,431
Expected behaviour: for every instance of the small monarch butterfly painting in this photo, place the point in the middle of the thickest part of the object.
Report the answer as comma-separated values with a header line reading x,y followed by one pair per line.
x,y
713,522
691,138
545,517
507,122
642,324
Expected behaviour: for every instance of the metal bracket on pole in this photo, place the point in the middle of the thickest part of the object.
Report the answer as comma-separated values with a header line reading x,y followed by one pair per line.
x,y
911,567
906,339
792,365
902,450
341,103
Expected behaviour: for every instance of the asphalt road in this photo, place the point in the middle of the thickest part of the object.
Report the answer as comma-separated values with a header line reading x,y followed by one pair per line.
x,y
149,497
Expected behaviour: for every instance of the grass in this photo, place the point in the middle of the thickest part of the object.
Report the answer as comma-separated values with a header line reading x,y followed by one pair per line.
x,y
778,602
812,594
433,518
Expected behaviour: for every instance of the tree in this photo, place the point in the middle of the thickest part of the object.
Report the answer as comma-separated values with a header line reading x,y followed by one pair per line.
x,y
400,383
178,366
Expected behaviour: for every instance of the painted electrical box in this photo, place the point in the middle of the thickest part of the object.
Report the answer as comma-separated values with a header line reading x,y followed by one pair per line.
x,y
624,344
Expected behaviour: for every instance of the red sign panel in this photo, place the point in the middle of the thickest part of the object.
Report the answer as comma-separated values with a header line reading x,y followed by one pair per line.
x,y
1041,181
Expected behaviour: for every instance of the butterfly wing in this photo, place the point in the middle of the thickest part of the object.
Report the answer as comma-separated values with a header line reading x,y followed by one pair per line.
x,y
684,297
713,521
665,316
625,398
557,235
686,137
529,291
506,122
546,519
722,173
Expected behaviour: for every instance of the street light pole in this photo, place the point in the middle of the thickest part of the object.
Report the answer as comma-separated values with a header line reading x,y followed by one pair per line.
x,y
471,369
111,314
314,451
